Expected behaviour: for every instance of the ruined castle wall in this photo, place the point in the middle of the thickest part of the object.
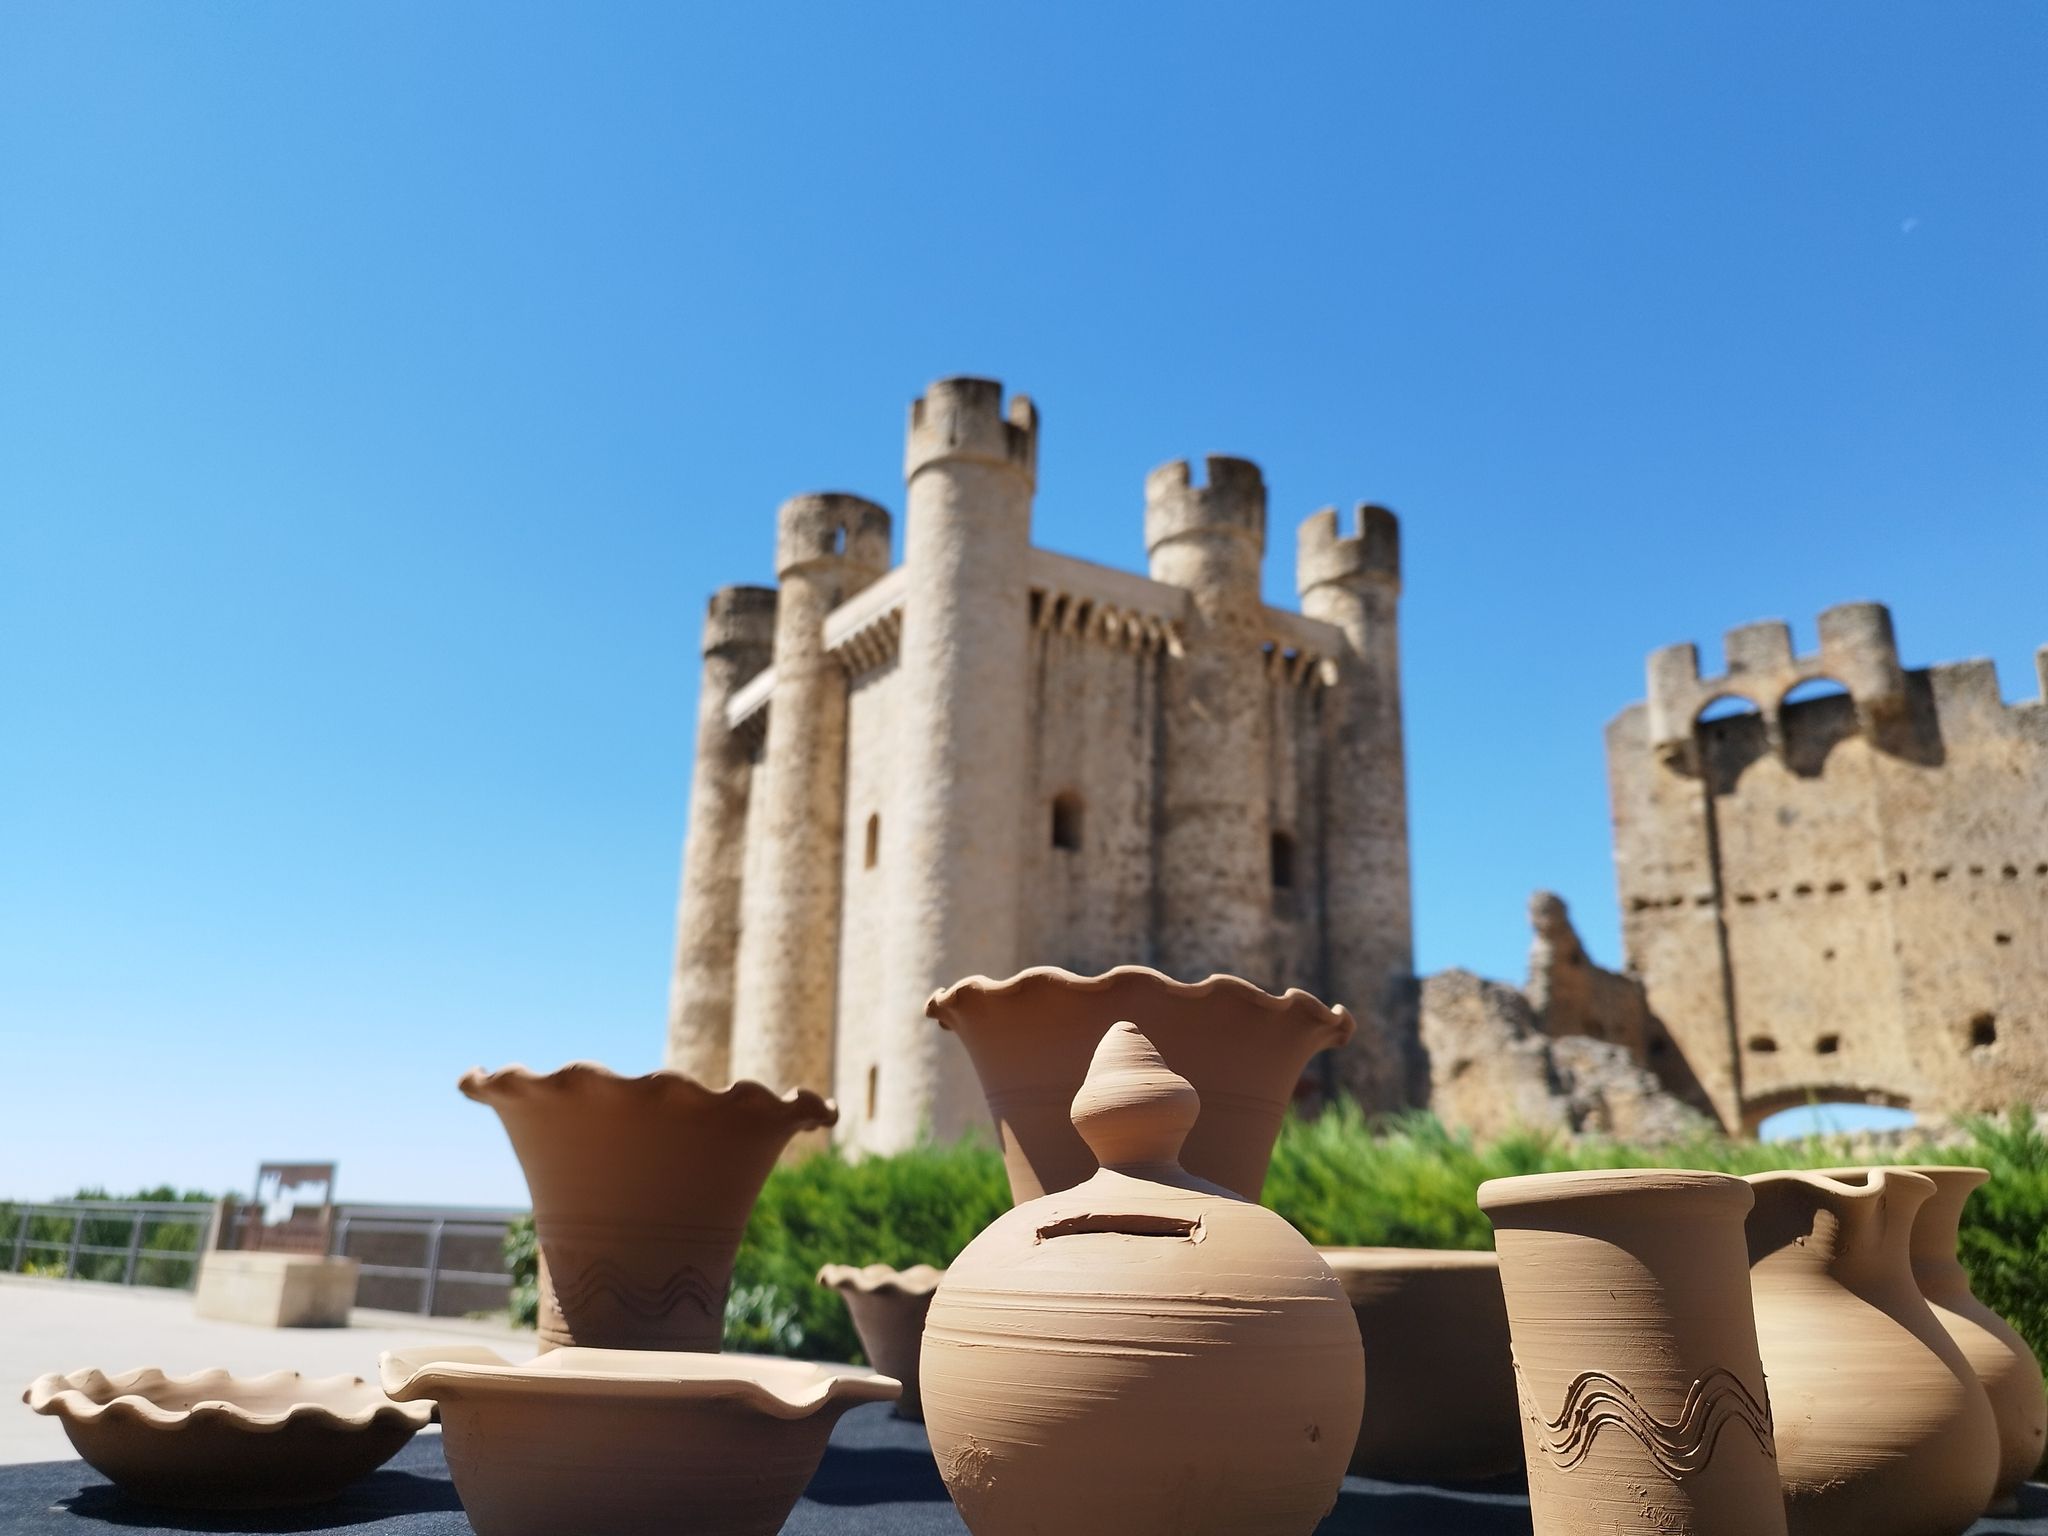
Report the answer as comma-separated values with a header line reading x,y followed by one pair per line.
x,y
1845,897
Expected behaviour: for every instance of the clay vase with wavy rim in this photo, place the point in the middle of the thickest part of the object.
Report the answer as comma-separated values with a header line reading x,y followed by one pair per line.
x,y
2006,1367
630,1442
1145,1354
888,1307
223,1442
1883,1428
1031,1039
641,1190
1636,1361
1435,1328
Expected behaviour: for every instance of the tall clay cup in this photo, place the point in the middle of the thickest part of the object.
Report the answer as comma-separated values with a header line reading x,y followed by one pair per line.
x,y
1642,1395
1883,1428
641,1190
1031,1039
2010,1374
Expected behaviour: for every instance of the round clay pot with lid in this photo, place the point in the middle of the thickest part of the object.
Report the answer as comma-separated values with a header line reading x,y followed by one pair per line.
x,y
641,1191
1031,1039
1145,1354
1435,1328
1642,1395
2006,1367
1883,1428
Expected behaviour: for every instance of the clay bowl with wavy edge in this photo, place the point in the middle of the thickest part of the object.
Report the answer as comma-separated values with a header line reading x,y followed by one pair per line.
x,y
218,1441
1032,1037
1441,1404
630,1442
641,1191
888,1308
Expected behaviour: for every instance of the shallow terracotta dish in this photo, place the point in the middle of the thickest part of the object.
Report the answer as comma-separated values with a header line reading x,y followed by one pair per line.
x,y
888,1307
1442,1404
631,1442
218,1441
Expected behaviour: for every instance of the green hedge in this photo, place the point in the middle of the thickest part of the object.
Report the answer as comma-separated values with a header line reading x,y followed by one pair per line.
x,y
39,1257
1407,1184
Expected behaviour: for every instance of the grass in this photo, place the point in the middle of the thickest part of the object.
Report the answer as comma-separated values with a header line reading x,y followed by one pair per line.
x,y
1408,1183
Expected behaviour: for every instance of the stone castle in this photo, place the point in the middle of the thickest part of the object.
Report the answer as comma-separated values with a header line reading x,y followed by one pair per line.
x,y
1840,891
993,756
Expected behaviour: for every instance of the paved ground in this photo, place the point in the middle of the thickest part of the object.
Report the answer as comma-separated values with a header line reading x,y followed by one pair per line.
x,y
61,1325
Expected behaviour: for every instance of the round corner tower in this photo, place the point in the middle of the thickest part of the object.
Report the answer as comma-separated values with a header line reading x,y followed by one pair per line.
x,y
828,546
1213,887
1353,581
952,853
739,638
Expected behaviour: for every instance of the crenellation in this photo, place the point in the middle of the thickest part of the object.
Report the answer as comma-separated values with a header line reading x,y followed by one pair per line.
x,y
993,755
964,420
1325,554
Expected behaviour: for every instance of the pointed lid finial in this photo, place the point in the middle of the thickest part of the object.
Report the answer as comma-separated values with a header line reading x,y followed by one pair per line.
x,y
1134,1111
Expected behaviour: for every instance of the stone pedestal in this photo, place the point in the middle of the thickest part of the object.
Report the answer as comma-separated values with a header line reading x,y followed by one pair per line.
x,y
276,1290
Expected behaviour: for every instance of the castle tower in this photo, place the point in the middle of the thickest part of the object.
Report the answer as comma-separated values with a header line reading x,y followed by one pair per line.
x,y
827,547
1353,580
1214,881
739,634
952,852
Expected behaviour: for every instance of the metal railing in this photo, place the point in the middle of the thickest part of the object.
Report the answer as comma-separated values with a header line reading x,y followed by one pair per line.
x,y
380,1232
142,1217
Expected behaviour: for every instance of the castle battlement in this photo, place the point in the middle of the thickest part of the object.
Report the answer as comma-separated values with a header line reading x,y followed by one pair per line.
x,y
739,619
1857,650
1325,555
963,419
822,526
1232,502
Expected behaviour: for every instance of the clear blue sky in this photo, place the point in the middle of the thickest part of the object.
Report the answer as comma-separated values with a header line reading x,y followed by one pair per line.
x,y
383,387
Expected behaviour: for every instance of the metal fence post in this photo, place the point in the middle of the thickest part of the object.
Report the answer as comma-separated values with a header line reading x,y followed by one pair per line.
x,y
77,1236
134,1249
20,1239
433,1266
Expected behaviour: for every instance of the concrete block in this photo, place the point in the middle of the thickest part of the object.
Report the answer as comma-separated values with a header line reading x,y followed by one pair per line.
x,y
276,1290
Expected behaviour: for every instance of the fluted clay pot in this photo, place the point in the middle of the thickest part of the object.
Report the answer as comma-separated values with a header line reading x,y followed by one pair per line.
x,y
1145,1354
2006,1367
1642,1396
641,1190
888,1307
630,1442
1435,1328
1031,1039
1883,1428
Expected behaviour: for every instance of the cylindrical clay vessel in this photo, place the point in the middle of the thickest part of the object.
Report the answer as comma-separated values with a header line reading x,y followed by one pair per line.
x,y
2006,1367
641,1191
1435,1329
1145,1354
1883,1429
1642,1395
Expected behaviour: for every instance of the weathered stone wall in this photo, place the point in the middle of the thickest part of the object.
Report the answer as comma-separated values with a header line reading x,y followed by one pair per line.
x,y
873,795
1844,896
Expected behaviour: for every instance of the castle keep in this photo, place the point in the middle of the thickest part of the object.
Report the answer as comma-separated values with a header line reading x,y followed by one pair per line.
x,y
1842,896
992,756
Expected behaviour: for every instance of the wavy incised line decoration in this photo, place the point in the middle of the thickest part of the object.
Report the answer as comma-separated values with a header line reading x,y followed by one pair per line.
x,y
604,1280
1595,1400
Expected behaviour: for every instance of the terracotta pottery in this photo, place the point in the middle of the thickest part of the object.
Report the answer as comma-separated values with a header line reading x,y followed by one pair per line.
x,y
217,1441
1883,1428
888,1308
1435,1328
631,1442
2006,1367
1031,1039
641,1190
1642,1398
1145,1354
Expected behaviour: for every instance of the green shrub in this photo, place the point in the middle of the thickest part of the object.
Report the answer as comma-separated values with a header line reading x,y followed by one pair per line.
x,y
1408,1183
